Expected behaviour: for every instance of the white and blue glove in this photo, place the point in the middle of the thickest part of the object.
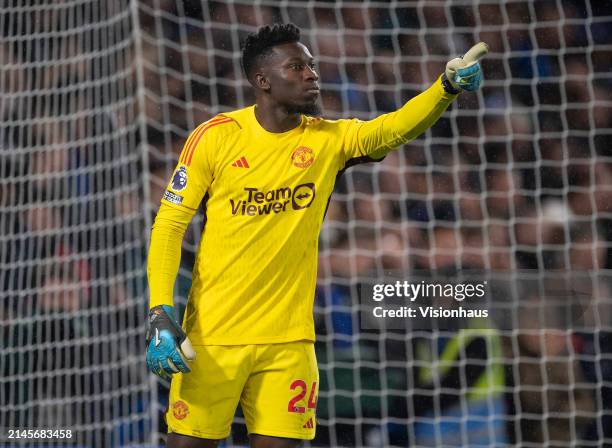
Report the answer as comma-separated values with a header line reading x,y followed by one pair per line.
x,y
465,73
168,347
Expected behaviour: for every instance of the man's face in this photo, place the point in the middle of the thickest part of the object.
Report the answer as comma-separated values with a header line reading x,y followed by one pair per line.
x,y
292,80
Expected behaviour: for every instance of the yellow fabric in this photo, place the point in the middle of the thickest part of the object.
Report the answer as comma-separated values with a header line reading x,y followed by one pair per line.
x,y
165,255
255,273
264,378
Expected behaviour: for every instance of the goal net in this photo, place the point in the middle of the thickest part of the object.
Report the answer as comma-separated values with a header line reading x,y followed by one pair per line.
x,y
513,185
72,239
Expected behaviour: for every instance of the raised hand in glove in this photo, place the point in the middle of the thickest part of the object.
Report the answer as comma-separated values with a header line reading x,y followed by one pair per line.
x,y
465,73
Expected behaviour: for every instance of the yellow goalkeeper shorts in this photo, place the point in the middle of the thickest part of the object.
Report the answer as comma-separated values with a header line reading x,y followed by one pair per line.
x,y
276,384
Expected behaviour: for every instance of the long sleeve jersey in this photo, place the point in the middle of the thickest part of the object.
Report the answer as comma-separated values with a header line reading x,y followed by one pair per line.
x,y
266,194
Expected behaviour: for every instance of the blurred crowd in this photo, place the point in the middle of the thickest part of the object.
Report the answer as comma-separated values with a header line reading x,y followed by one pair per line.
x,y
517,177
72,247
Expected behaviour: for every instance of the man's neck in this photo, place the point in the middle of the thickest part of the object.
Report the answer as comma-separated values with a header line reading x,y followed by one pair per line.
x,y
275,118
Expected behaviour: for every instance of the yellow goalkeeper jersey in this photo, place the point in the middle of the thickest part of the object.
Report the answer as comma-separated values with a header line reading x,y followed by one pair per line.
x,y
265,198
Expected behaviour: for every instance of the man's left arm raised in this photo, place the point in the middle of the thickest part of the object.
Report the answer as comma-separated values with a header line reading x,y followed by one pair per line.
x,y
375,138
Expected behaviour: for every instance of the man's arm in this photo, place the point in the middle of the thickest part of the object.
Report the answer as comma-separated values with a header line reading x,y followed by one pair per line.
x,y
375,138
188,185
165,252
168,347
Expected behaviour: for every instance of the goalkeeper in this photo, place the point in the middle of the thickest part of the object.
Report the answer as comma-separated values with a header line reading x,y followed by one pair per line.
x,y
265,174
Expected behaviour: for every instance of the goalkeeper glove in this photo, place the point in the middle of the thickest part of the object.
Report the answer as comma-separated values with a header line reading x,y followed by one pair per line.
x,y
168,347
465,73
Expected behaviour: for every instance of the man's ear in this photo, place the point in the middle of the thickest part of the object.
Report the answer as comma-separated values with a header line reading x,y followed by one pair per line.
x,y
261,81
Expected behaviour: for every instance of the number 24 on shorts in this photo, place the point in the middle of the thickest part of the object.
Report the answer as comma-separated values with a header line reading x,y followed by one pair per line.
x,y
301,386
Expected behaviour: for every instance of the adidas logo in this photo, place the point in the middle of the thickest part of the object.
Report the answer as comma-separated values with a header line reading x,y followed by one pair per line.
x,y
309,424
241,163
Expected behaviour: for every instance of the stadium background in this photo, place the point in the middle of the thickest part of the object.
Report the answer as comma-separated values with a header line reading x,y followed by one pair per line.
x,y
98,98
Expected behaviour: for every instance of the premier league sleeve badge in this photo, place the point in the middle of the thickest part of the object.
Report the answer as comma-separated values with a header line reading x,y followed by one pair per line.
x,y
179,180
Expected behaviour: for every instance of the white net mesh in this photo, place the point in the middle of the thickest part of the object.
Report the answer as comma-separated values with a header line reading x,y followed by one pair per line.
x,y
72,302
515,177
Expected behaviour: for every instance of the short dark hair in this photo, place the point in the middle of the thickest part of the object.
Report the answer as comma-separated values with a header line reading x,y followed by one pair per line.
x,y
260,44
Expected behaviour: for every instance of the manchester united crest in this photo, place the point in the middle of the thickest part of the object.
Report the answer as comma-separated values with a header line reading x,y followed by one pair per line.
x,y
302,157
180,410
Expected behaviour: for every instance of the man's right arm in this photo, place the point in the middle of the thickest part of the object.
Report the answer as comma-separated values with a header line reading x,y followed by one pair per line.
x,y
165,252
168,347
189,183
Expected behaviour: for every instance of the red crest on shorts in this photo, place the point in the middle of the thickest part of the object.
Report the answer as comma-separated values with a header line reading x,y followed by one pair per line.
x,y
180,410
302,157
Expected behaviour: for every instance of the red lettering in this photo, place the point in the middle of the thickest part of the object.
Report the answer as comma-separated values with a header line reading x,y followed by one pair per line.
x,y
292,403
312,399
